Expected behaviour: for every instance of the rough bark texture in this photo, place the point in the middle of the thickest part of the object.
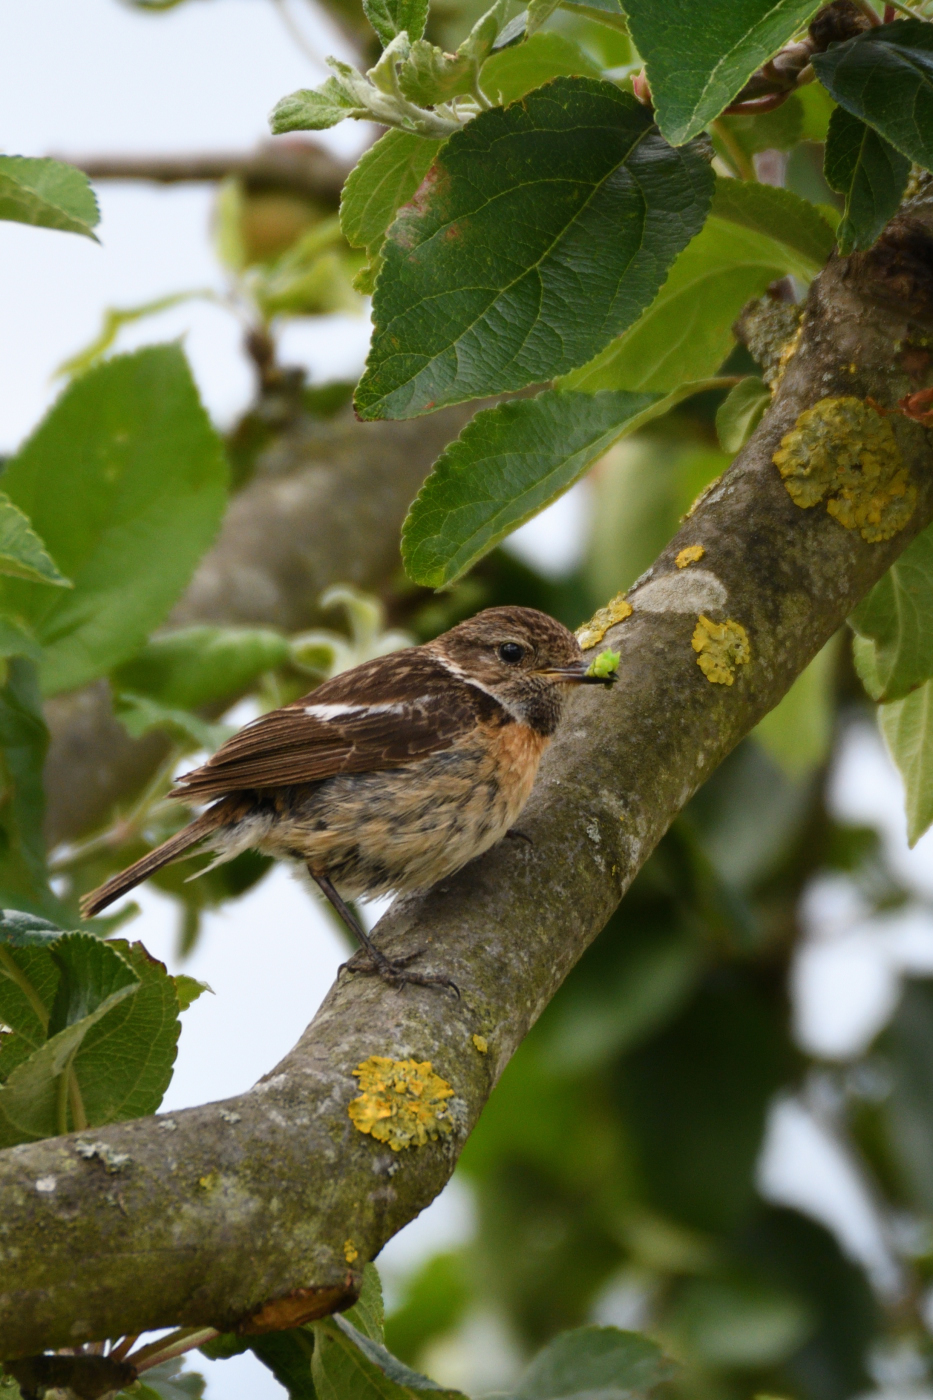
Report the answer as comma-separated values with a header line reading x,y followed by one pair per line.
x,y
326,506
239,1213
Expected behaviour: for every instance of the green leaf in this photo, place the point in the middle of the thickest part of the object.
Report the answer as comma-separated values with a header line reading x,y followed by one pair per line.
x,y
870,173
595,1363
895,622
368,1312
315,109
17,640
21,930
907,726
47,193
23,744
740,1323
740,413
188,989
392,17
346,1363
22,553
34,1099
197,666
779,130
507,464
700,55
125,481
545,230
798,732
385,177
512,72
754,234
141,715
885,77
170,1380
124,1065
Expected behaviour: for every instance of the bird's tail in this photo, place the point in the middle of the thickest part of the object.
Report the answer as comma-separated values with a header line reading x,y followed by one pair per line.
x,y
141,869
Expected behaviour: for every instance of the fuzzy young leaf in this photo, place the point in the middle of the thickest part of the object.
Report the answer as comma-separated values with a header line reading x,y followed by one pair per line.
x,y
895,624
385,177
125,481
699,55
22,553
871,174
48,194
544,231
197,666
511,73
755,234
740,413
315,109
390,18
907,726
507,464
885,77
430,75
595,1361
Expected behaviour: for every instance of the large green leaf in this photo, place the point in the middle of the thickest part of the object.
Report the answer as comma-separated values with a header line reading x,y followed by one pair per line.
x,y
348,1363
197,666
23,744
798,732
512,72
754,235
700,53
885,77
595,1363
907,726
894,625
47,193
506,465
545,230
385,177
871,174
125,481
38,1099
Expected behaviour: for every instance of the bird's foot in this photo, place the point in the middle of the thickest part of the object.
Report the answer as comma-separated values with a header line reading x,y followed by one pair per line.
x,y
396,970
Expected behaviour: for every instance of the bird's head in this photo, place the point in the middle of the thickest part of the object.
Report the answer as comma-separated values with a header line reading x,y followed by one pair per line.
x,y
524,658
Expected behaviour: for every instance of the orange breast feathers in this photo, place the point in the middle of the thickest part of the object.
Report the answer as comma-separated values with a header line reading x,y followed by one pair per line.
x,y
516,750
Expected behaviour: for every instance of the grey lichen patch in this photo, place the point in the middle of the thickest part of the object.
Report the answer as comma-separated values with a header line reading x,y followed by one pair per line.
x,y
403,1103
592,632
721,648
771,330
113,1161
844,452
691,592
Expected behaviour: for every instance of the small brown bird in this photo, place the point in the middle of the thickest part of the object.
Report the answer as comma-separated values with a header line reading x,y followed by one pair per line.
x,y
391,776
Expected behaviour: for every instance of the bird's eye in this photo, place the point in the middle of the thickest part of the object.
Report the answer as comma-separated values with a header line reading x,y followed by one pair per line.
x,y
511,653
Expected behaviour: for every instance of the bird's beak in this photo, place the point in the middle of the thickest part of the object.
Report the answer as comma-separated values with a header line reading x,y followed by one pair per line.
x,y
577,674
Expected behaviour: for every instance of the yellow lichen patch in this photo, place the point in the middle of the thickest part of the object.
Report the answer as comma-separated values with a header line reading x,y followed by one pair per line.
x,y
350,1251
480,1042
592,632
844,452
402,1103
720,647
689,555
209,1182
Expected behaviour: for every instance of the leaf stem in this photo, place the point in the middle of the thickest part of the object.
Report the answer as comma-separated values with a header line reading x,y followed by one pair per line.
x,y
78,1115
16,974
61,1105
744,166
167,1348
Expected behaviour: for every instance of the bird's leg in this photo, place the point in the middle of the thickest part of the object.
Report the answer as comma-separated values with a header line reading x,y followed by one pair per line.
x,y
391,969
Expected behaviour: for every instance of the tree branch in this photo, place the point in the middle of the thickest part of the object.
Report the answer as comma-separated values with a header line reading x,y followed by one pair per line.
x,y
287,163
241,1213
326,506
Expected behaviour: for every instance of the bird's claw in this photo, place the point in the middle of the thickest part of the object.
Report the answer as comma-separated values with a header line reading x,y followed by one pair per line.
x,y
395,971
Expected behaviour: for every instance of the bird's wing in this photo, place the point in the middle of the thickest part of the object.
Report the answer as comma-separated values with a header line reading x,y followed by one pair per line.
x,y
383,714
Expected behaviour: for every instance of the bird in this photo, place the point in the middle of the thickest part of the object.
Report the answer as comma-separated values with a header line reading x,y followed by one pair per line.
x,y
390,776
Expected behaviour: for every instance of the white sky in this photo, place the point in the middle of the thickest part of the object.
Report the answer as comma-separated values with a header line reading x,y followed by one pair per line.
x,y
95,78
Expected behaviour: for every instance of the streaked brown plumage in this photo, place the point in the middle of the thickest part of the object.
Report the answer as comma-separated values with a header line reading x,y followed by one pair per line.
x,y
391,776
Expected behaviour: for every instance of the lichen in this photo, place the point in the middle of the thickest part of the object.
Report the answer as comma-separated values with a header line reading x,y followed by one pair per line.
x,y
350,1251
844,452
689,555
480,1043
403,1103
592,632
720,648
771,330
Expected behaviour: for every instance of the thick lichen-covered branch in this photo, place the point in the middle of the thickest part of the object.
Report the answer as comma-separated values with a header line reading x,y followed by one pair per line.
x,y
259,1212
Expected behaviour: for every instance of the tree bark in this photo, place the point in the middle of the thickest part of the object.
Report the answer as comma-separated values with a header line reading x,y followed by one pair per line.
x,y
245,1213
